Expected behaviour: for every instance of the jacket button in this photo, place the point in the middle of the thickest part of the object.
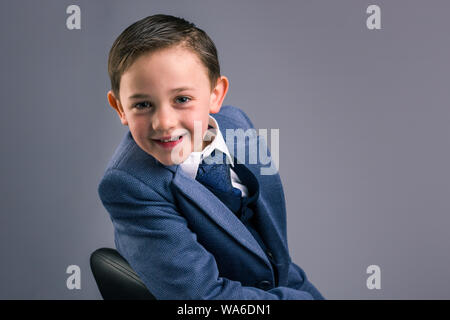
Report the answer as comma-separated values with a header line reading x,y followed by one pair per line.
x,y
269,254
265,285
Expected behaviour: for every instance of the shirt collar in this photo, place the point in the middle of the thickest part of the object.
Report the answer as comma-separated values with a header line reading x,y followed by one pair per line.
x,y
190,165
217,142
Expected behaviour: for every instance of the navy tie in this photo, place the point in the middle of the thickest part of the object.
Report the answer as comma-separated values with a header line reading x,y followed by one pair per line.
x,y
216,177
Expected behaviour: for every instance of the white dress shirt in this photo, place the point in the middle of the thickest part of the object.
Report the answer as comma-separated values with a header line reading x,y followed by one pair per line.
x,y
190,165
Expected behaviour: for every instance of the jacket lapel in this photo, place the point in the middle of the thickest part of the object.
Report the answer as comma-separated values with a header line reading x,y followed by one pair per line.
x,y
217,211
269,231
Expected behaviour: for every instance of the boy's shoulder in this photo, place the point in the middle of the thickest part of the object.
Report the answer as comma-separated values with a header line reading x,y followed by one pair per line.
x,y
130,158
232,117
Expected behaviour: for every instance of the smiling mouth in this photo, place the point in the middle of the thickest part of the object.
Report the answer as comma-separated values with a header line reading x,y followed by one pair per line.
x,y
169,143
170,139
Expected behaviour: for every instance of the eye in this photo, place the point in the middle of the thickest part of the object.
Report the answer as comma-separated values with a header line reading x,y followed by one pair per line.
x,y
182,99
142,105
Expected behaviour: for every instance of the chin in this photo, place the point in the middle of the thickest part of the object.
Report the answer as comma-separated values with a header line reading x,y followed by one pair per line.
x,y
166,158
167,161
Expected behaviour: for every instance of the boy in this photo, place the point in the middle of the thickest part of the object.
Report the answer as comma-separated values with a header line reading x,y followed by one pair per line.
x,y
190,227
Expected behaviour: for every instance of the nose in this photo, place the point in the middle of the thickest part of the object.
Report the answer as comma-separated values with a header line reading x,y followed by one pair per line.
x,y
164,119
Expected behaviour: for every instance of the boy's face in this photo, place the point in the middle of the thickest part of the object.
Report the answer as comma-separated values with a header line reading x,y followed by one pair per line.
x,y
172,90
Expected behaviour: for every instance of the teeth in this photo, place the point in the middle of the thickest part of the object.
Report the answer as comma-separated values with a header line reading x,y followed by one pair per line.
x,y
173,139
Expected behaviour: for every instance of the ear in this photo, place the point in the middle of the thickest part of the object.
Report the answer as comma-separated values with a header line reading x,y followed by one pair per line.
x,y
218,94
115,103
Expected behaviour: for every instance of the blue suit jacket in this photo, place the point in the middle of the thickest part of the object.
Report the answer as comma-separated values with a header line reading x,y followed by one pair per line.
x,y
184,243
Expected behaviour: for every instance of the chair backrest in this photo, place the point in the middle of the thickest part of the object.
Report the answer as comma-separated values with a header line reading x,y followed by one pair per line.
x,y
115,278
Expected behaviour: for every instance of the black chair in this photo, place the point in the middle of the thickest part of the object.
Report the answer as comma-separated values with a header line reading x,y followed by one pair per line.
x,y
115,279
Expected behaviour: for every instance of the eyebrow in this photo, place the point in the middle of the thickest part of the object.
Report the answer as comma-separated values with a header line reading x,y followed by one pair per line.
x,y
144,95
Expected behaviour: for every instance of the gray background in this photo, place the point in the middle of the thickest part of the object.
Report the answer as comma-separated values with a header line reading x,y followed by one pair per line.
x,y
364,135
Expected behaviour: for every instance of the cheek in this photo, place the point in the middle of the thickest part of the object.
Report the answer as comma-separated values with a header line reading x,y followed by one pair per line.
x,y
140,128
187,121
195,123
196,116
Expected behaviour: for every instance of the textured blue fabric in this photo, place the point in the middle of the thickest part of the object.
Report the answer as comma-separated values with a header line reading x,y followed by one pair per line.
x,y
247,213
216,177
184,243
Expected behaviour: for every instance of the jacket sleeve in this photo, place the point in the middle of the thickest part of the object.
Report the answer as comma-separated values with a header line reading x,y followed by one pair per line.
x,y
156,241
298,280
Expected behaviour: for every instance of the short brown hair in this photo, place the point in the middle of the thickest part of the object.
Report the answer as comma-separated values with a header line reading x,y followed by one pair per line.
x,y
158,32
